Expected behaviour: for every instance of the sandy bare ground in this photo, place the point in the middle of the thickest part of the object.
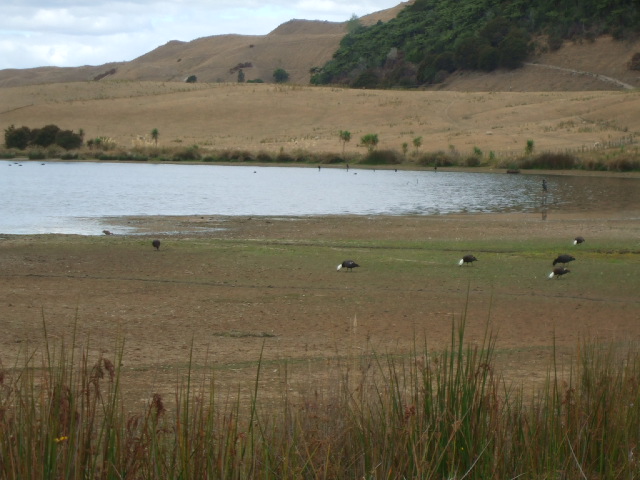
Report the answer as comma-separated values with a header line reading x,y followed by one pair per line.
x,y
225,287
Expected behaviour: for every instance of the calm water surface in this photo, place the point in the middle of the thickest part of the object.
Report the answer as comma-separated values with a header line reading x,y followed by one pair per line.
x,y
79,198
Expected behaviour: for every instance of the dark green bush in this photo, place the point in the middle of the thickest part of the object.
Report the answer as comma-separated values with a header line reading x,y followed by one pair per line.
x,y
551,161
472,161
36,154
382,157
280,75
68,140
187,154
45,136
367,79
236,156
329,158
436,159
122,157
264,157
284,157
624,164
17,137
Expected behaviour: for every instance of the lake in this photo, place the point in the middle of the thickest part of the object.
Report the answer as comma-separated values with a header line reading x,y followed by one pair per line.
x,y
79,197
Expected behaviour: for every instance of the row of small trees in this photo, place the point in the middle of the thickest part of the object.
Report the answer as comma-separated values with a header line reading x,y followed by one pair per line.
x,y
23,137
371,140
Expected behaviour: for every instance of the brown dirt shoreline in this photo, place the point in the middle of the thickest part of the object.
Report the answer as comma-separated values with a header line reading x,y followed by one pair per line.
x,y
217,290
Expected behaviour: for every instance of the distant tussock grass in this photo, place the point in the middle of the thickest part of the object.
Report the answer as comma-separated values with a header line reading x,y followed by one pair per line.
x,y
622,159
430,414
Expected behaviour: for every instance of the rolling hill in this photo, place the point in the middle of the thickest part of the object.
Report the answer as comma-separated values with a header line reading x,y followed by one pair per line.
x,y
296,46
299,45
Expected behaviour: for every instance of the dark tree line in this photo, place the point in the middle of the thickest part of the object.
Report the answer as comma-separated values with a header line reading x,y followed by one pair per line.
x,y
432,38
23,137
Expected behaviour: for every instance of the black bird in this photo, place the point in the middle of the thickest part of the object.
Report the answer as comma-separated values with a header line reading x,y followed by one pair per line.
x,y
578,240
156,244
348,264
467,259
563,259
558,272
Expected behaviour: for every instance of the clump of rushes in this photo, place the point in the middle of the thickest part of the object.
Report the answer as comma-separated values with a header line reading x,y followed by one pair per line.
x,y
428,414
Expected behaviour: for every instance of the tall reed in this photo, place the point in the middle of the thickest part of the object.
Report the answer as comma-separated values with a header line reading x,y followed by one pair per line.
x,y
445,414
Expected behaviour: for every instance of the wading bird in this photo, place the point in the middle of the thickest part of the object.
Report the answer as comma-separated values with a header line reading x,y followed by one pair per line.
x,y
558,272
563,259
467,259
348,264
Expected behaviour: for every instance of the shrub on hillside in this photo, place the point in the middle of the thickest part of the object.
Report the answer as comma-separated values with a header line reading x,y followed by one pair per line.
x,y
45,136
550,161
17,137
382,157
436,159
264,157
634,63
235,156
187,154
329,158
280,75
624,164
68,140
472,161
36,154
284,157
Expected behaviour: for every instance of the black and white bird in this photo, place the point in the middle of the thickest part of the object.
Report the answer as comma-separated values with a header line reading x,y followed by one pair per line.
x,y
558,272
467,259
348,264
563,259
578,240
156,244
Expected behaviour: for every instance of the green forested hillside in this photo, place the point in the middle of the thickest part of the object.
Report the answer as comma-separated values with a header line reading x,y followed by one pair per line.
x,y
431,38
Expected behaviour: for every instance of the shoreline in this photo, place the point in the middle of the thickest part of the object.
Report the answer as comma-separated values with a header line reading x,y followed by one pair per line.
x,y
404,167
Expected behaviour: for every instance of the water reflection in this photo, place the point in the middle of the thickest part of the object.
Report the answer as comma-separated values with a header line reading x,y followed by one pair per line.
x,y
66,197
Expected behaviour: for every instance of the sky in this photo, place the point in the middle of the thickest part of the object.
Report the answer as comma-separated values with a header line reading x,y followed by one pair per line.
x,y
71,33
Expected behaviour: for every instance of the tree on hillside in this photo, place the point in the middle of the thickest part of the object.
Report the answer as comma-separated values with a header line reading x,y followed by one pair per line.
x,y
17,137
370,140
68,140
240,76
417,143
353,24
154,135
45,136
280,75
345,136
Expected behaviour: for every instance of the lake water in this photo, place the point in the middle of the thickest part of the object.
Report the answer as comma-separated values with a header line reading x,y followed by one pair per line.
x,y
79,198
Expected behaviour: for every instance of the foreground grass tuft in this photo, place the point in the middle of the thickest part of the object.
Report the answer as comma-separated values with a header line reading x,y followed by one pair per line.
x,y
445,414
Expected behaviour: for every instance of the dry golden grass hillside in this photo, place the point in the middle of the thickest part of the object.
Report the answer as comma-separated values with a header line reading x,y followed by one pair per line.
x,y
296,46
579,97
289,118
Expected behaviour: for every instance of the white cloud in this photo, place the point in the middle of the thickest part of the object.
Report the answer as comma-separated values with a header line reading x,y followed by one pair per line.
x,y
92,32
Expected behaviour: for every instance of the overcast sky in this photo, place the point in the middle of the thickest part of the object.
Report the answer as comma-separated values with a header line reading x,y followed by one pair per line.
x,y
69,33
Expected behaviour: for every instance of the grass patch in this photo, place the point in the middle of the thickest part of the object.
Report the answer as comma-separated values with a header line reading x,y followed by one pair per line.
x,y
429,414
